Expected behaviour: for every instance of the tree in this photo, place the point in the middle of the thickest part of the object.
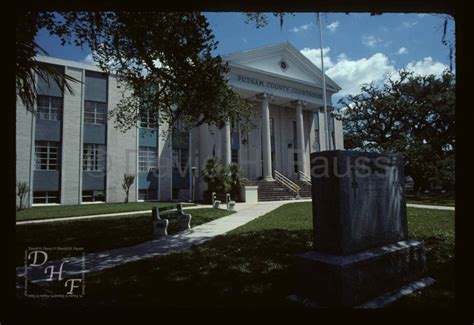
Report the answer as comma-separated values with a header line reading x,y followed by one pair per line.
x,y
27,68
409,114
23,191
128,180
164,59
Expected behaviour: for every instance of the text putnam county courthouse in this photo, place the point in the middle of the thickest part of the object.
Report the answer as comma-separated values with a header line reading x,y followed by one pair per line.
x,y
70,153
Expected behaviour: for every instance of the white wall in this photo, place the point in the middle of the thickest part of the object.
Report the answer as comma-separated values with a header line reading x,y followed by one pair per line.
x,y
24,148
72,141
121,152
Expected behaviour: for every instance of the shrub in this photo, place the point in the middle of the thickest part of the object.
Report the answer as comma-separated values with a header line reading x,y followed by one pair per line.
x,y
128,180
222,179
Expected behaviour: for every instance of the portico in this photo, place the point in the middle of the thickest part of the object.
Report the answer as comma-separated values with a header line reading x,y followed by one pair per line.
x,y
287,93
279,78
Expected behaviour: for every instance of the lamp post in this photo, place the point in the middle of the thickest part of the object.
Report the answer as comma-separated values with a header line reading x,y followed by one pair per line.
x,y
193,182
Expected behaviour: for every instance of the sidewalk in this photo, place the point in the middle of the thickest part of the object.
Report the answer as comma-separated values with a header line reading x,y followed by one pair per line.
x,y
94,262
435,207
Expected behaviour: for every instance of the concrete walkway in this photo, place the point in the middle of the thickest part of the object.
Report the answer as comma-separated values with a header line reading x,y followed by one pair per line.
x,y
435,207
93,262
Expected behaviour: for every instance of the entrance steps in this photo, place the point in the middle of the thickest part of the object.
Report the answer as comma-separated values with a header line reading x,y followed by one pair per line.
x,y
273,191
305,189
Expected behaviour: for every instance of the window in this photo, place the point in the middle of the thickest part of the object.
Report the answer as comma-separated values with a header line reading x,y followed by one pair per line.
x,y
46,197
180,158
95,112
147,194
47,155
49,108
147,158
148,120
93,157
235,156
295,138
93,196
272,127
295,163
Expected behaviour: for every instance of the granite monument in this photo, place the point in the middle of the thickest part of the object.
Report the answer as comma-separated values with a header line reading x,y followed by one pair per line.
x,y
361,247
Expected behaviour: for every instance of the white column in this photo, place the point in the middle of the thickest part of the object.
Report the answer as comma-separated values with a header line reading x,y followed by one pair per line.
x,y
227,149
266,141
300,137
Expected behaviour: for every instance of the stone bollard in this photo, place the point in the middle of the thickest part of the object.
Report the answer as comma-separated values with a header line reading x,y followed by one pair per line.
x,y
184,219
160,226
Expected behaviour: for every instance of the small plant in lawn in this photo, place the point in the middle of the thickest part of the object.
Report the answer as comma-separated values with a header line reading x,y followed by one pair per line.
x,y
23,190
128,180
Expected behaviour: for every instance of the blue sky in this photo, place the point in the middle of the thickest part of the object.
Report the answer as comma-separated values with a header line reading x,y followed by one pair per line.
x,y
358,48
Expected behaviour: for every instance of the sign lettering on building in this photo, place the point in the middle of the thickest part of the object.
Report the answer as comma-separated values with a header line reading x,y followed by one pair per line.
x,y
277,86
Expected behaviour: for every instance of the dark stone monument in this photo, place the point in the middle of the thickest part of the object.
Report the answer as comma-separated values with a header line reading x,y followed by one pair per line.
x,y
361,246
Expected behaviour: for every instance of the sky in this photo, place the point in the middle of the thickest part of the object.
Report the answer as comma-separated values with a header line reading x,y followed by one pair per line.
x,y
358,48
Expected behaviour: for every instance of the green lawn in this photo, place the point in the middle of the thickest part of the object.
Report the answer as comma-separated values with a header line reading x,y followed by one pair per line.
x,y
446,199
252,267
98,234
50,212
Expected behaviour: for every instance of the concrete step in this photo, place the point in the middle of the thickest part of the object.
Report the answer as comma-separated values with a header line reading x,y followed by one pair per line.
x,y
273,191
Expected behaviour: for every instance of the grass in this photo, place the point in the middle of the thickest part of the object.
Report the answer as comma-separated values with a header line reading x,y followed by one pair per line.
x,y
436,229
99,234
446,199
252,267
63,211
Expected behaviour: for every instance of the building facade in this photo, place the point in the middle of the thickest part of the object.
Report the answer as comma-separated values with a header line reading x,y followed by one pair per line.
x,y
70,153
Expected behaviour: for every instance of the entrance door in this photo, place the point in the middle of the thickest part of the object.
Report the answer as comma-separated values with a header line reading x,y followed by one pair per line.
x,y
272,140
295,150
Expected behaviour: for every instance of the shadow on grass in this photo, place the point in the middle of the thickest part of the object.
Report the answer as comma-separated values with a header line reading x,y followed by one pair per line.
x,y
91,235
252,270
99,234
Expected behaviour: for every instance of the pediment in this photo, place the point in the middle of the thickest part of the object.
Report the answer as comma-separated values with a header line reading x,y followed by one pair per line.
x,y
281,59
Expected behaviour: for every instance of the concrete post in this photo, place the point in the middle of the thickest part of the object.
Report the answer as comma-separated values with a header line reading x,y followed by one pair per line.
x,y
227,153
300,137
266,141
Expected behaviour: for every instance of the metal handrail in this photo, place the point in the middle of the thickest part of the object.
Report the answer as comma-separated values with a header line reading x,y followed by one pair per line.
x,y
283,180
305,178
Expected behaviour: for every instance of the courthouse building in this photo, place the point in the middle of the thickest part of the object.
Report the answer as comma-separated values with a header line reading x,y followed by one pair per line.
x,y
70,153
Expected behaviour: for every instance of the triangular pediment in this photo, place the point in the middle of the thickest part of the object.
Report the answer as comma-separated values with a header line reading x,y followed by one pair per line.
x,y
281,59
